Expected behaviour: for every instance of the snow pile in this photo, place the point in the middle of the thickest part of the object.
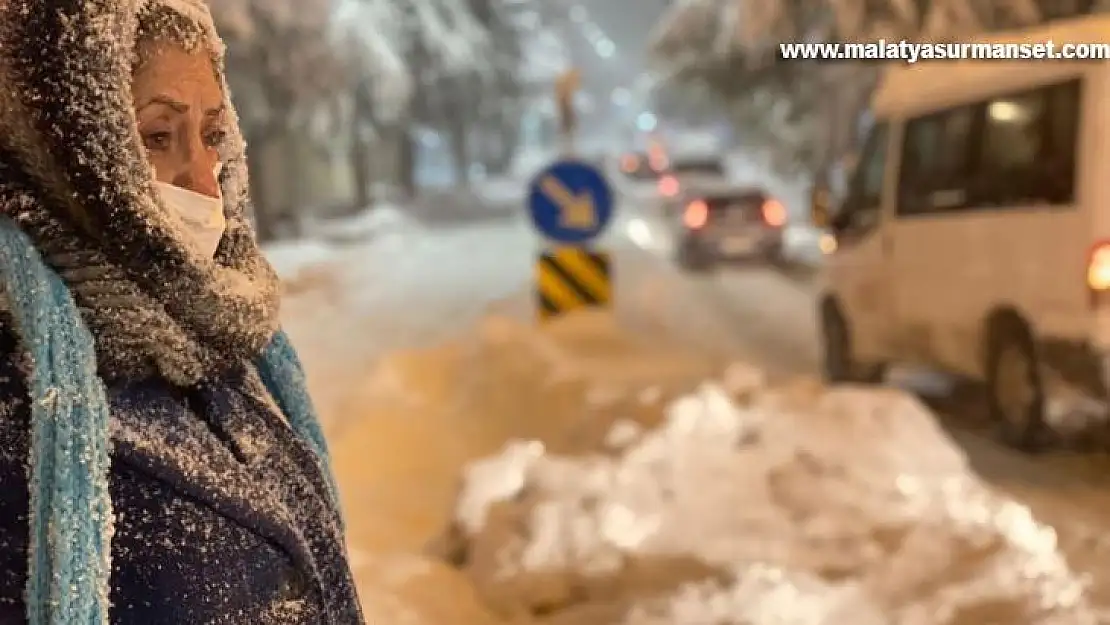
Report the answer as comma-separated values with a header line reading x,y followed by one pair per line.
x,y
290,258
310,262
801,506
529,162
497,191
381,219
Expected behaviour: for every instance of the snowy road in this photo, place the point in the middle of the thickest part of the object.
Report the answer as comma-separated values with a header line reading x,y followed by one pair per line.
x,y
420,283
423,282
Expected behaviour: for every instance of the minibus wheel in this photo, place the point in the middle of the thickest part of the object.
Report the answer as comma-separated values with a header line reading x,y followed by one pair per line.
x,y
1015,385
837,363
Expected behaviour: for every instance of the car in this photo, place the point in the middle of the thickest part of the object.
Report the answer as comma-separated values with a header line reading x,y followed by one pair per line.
x,y
974,236
729,226
641,166
690,172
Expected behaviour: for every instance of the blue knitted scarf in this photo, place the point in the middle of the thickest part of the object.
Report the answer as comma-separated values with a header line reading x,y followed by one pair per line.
x,y
71,511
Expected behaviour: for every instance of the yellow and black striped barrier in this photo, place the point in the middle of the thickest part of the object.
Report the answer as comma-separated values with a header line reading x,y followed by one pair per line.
x,y
572,278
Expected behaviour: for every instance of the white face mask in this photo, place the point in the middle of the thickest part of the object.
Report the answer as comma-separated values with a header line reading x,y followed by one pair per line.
x,y
201,215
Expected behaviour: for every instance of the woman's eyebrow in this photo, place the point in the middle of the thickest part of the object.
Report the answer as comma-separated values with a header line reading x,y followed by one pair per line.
x,y
166,100
181,107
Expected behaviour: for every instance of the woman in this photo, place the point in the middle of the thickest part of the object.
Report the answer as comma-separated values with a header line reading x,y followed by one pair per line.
x,y
160,463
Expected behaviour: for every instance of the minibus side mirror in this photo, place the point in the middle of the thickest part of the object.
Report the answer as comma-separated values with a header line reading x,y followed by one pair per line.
x,y
820,207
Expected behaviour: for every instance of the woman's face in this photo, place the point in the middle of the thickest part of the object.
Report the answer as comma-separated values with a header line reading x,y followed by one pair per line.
x,y
180,109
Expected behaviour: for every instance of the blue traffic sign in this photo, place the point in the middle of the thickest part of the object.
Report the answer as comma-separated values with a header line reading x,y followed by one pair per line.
x,y
570,202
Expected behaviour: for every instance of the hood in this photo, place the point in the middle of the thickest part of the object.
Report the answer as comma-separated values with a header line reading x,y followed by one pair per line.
x,y
75,178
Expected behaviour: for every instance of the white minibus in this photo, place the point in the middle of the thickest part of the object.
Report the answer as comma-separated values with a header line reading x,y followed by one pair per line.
x,y
975,232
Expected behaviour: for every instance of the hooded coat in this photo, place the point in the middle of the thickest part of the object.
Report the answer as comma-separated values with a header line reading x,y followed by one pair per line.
x,y
160,463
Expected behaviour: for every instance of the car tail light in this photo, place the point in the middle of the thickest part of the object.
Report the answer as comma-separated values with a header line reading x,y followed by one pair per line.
x,y
630,163
1098,269
668,186
696,214
774,213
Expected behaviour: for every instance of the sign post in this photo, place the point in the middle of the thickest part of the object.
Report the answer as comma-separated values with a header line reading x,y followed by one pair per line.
x,y
566,88
571,205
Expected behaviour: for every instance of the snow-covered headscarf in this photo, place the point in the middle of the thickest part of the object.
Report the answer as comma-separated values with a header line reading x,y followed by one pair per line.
x,y
75,177
98,282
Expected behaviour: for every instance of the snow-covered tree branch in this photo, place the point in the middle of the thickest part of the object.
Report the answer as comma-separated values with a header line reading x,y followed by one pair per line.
x,y
280,58
730,48
364,73
464,56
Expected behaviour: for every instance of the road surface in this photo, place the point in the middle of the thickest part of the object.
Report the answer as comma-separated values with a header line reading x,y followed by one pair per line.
x,y
434,278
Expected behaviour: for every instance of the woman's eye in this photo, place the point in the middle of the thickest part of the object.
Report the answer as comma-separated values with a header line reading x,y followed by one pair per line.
x,y
215,138
157,140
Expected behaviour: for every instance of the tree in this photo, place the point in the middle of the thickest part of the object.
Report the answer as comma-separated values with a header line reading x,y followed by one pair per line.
x,y
282,66
457,67
446,60
809,112
370,73
379,82
499,110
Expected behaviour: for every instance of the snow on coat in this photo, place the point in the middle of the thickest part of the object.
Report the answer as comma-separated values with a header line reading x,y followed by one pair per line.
x,y
221,513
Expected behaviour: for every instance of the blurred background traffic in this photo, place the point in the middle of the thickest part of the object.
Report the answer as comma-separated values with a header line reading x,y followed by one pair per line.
x,y
348,102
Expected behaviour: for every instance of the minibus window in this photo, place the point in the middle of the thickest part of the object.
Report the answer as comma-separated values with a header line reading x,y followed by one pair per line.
x,y
935,157
872,166
860,210
1029,144
1014,131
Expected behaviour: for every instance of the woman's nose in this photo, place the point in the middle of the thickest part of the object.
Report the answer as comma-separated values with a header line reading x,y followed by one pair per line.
x,y
199,177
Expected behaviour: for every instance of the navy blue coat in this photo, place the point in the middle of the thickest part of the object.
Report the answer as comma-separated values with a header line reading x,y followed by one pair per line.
x,y
221,512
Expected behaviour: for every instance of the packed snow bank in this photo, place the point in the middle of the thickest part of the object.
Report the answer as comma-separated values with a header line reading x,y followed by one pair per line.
x,y
381,219
306,262
498,191
303,264
755,506
289,258
416,417
401,436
